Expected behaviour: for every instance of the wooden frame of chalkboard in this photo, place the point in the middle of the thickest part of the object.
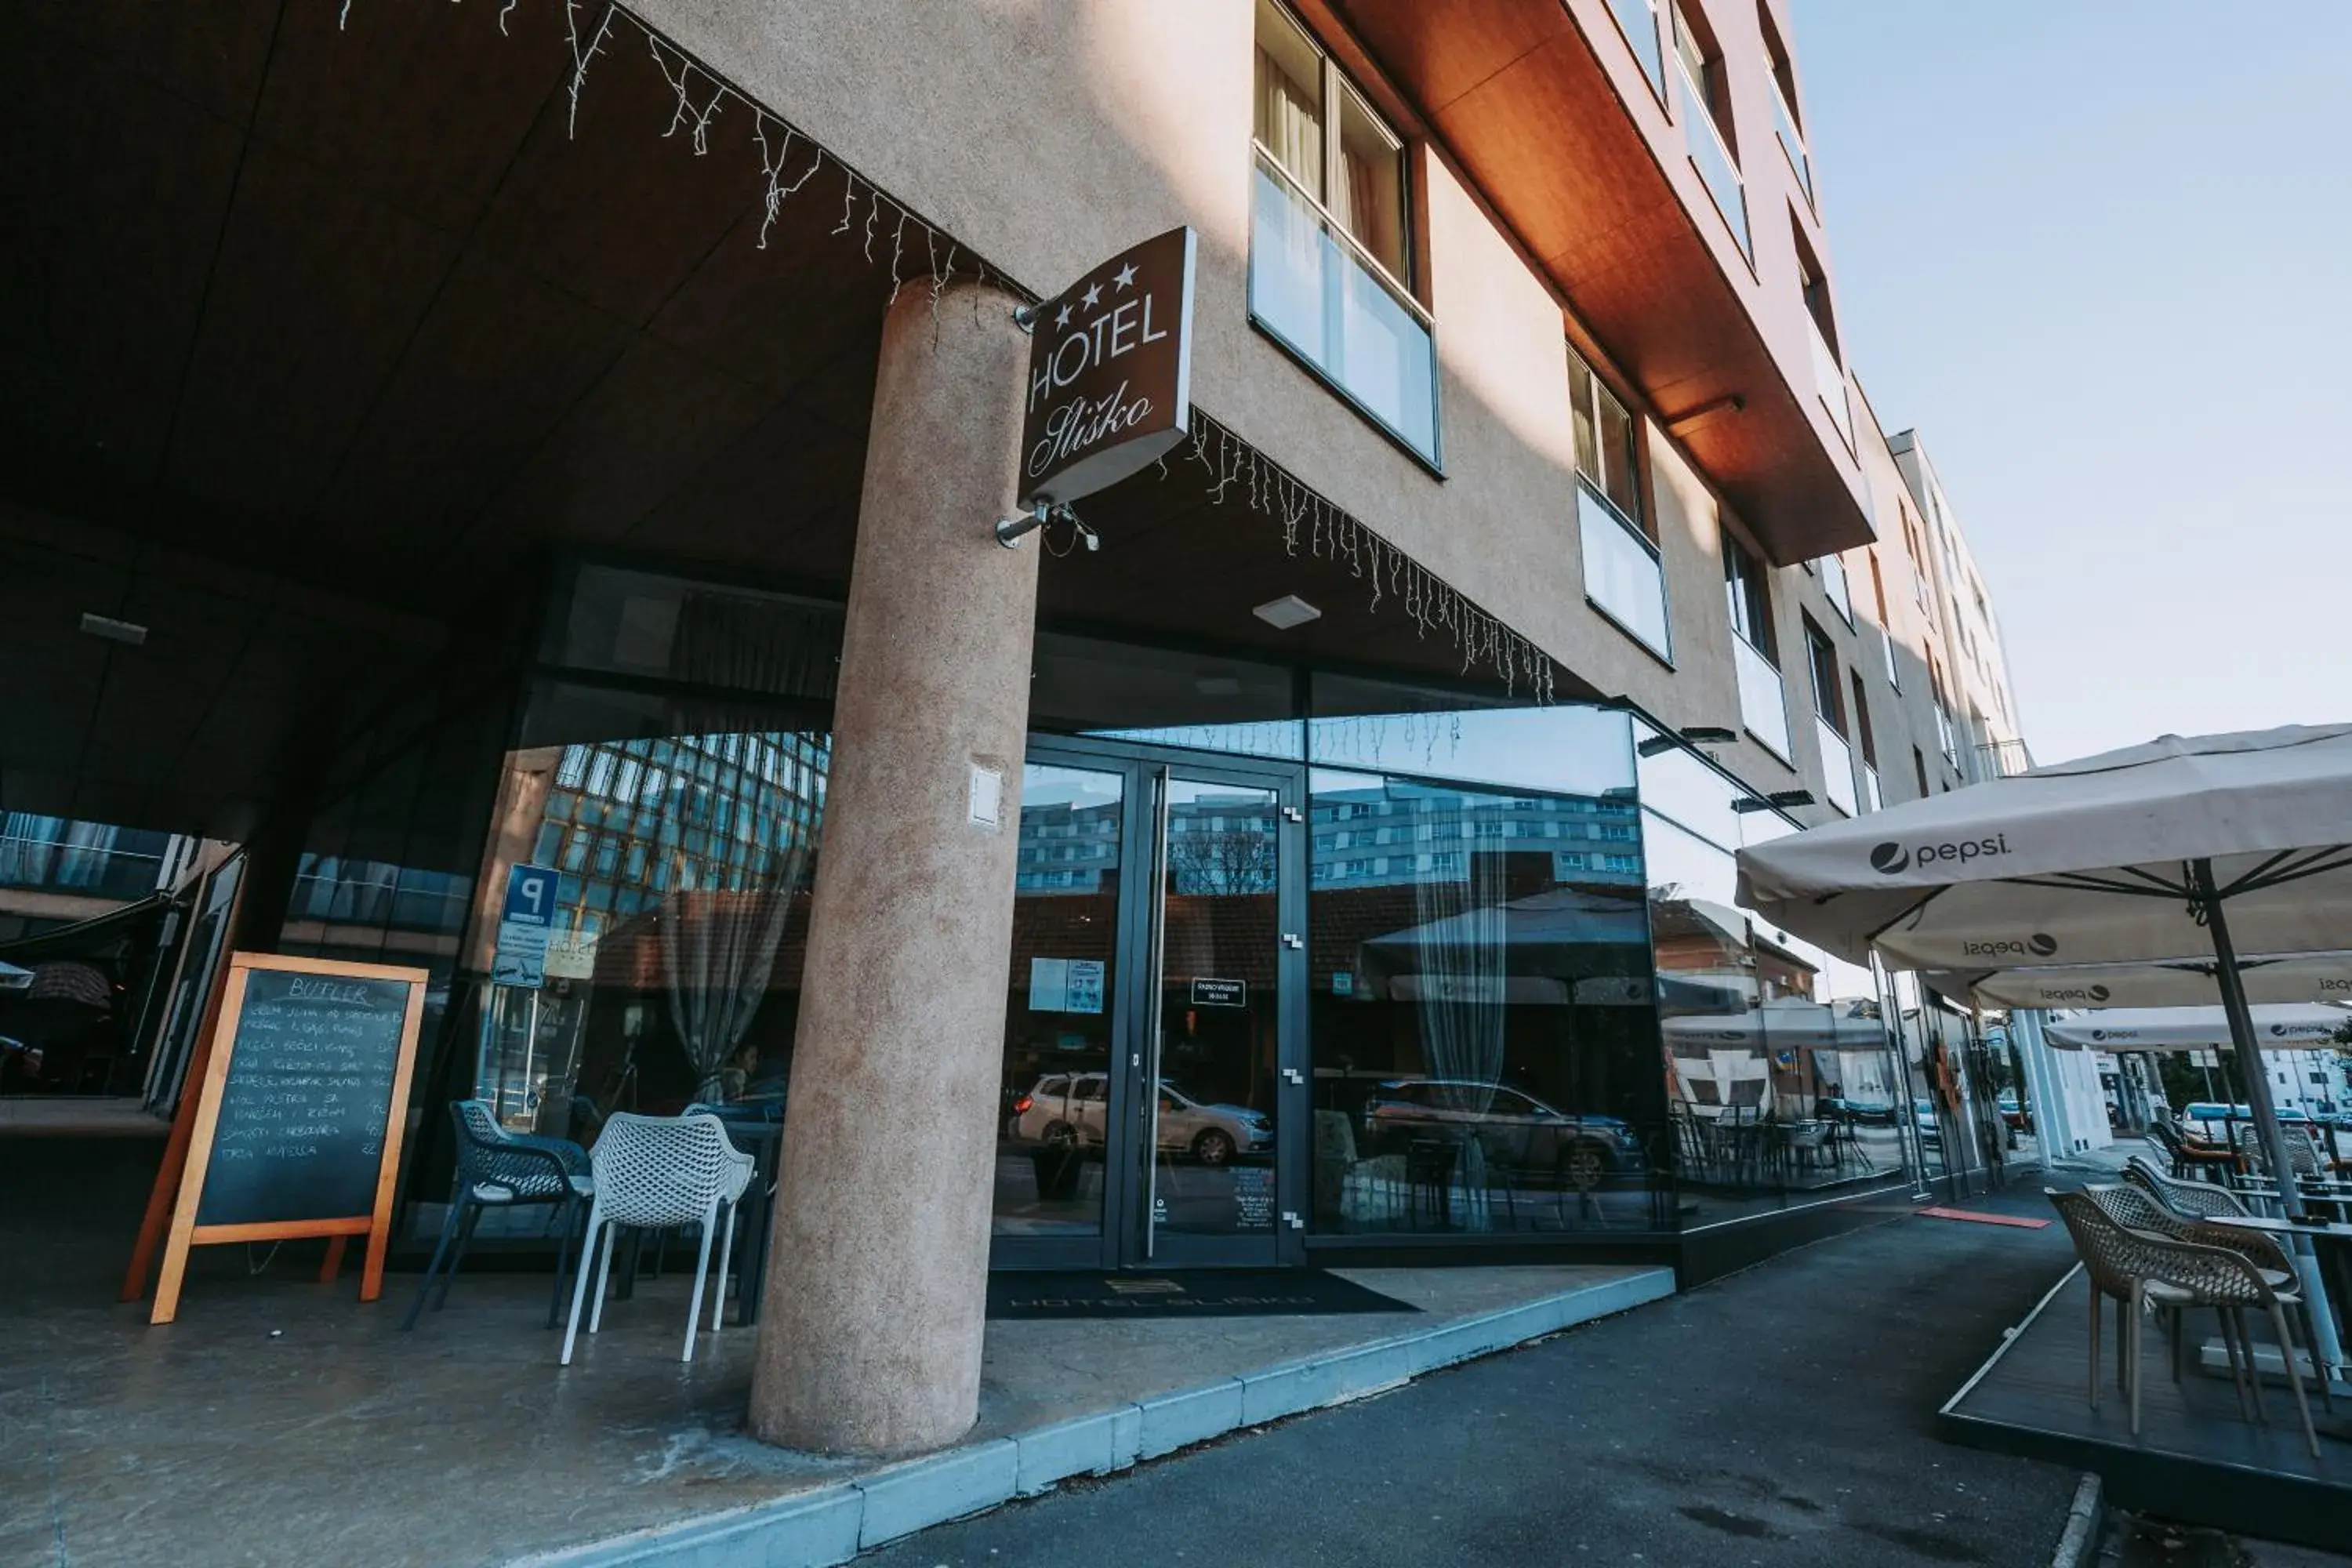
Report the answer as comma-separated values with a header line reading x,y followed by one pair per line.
x,y
326,1023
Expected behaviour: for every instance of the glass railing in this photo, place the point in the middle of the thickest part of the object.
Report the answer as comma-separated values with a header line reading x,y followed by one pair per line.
x,y
1872,800
1837,767
1314,289
1621,571
1714,162
1829,379
1784,125
1833,584
1763,705
1638,20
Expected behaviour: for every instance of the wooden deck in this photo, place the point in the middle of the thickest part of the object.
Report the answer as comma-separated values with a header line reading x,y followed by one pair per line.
x,y
2196,1457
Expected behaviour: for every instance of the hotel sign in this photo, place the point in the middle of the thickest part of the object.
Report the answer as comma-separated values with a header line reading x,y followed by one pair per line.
x,y
1110,372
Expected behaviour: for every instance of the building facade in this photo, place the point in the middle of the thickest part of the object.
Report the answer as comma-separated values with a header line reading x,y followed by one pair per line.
x,y
591,467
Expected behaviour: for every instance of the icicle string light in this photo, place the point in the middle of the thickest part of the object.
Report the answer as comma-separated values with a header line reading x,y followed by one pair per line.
x,y
1306,519
1329,534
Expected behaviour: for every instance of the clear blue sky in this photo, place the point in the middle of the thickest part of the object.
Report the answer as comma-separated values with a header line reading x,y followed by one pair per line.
x,y
2099,252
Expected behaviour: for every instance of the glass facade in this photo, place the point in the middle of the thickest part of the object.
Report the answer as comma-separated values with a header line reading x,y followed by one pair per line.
x,y
1480,975
1297,958
1783,1082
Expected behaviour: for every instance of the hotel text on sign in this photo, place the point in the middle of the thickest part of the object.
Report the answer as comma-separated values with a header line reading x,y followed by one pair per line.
x,y
1109,371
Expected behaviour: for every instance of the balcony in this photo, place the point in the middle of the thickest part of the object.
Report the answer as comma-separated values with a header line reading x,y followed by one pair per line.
x,y
1551,115
1837,767
1763,703
1828,380
1622,575
1894,664
1871,799
1716,167
1315,291
1784,126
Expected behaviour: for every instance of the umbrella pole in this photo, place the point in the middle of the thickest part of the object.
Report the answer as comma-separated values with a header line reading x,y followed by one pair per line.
x,y
2241,1038
2327,1351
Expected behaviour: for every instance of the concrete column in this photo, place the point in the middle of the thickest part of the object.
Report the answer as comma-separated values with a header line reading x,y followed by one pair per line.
x,y
870,1331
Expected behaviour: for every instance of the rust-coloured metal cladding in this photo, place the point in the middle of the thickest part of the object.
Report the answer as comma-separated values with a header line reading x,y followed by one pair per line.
x,y
1110,372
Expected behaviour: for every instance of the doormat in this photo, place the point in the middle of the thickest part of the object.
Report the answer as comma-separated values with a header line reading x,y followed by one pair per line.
x,y
1975,1217
1194,1293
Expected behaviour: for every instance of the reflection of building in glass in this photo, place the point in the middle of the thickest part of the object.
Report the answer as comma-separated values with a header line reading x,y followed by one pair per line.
x,y
627,822
1406,831
1068,848
682,863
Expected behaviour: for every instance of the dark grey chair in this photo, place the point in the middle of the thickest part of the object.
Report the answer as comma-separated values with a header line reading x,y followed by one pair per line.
x,y
498,1169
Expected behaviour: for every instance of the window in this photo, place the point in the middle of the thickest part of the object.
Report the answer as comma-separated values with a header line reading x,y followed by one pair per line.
x,y
1820,656
1707,123
1920,766
1829,369
1862,723
1622,574
1785,124
1885,622
1829,707
1833,584
1607,441
1638,20
1918,564
1763,699
1330,247
1749,598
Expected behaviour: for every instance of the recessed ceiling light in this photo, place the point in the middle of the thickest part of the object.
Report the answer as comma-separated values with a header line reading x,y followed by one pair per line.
x,y
1286,612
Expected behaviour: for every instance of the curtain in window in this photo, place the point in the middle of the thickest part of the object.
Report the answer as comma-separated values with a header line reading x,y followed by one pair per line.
x,y
1289,126
720,928
1460,935
1366,205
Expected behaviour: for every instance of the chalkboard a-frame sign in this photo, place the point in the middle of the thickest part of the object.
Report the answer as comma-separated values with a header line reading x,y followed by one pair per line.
x,y
300,1117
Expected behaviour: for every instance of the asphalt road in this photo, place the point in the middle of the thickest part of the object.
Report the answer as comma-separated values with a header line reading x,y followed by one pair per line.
x,y
1783,1415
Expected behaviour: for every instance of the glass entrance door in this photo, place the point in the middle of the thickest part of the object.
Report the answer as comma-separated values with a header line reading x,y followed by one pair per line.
x,y
1220,946
1154,1048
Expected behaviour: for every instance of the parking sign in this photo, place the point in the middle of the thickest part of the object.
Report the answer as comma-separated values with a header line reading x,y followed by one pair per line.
x,y
523,923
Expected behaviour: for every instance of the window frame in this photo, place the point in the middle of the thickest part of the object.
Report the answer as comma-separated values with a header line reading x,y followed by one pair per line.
x,y
1821,653
1335,86
1754,592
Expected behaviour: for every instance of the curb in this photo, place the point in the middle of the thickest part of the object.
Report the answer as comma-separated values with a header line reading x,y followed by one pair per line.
x,y
2081,1534
833,1524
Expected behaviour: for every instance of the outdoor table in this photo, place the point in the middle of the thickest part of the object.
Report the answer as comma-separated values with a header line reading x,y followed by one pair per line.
x,y
2331,1243
763,1140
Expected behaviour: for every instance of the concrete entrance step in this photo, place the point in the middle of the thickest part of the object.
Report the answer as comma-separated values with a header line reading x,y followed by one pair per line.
x,y
833,1524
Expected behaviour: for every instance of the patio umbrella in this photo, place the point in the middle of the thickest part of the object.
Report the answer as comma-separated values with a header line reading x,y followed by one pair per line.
x,y
2276,1028
2284,978
2182,849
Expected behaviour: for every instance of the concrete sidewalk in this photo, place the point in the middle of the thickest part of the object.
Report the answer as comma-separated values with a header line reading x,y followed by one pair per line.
x,y
279,1421
1780,1417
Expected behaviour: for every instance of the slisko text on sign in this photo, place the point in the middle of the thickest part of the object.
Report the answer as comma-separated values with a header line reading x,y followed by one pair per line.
x,y
1110,372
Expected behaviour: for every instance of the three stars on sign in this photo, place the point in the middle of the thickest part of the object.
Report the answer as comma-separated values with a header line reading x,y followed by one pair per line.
x,y
1124,278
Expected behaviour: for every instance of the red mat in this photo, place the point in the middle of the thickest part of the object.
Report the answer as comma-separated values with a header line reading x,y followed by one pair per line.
x,y
1974,1217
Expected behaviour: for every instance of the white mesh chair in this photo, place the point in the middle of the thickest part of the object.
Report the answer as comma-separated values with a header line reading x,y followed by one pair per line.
x,y
653,1173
